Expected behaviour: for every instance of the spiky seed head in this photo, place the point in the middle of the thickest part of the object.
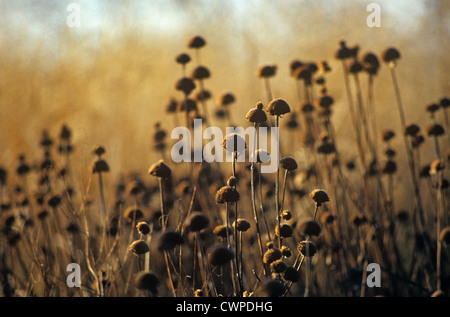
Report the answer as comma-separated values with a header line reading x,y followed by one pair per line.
x,y
411,129
390,167
371,63
133,213
272,255
143,228
390,55
226,99
319,196
160,169
278,107
221,231
343,52
98,150
278,266
387,135
227,194
139,247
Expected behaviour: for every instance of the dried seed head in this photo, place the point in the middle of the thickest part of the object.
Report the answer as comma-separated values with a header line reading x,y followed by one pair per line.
x,y
444,102
262,156
291,274
307,108
99,166
257,114
203,95
168,240
444,236
98,150
269,245
143,228
54,201
219,254
201,72
387,135
371,63
221,231
196,221
412,129
272,255
309,228
390,55
234,143
185,85
390,167
227,194
160,169
436,166
307,248
226,99
435,130
278,266
183,59
432,107
196,42
294,65
232,181
288,163
355,67
285,230
147,281
266,71
319,196
286,215
278,107
325,101
139,247
285,251
358,220
343,52
241,225
188,103
326,148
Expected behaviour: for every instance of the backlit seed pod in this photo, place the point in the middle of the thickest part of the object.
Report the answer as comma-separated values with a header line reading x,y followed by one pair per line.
x,y
185,85
23,168
278,266
232,181
139,247
411,129
147,281
390,153
309,228
307,108
285,251
226,99
160,169
257,114
196,42
324,67
307,248
219,254
196,221
285,230
435,130
271,255
143,228
133,213
168,240
303,73
343,52
286,215
371,63
200,72
319,196
278,107
387,135
266,71
99,166
288,163
294,65
241,225
221,231
262,156
227,194
183,58
444,235
390,55
234,143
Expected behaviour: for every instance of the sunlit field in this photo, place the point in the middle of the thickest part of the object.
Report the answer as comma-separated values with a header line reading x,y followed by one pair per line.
x,y
96,203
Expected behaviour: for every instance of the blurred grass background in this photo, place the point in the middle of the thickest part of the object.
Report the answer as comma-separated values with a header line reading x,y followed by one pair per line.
x,y
110,79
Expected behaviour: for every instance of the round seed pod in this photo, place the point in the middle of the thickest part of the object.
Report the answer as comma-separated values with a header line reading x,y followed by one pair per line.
x,y
402,215
371,63
411,129
343,52
288,163
257,114
266,71
241,225
286,214
326,148
303,73
183,58
201,72
291,274
390,55
65,133
160,169
196,221
143,228
147,281
99,166
262,156
54,201
219,254
432,107
272,255
324,67
232,181
417,141
272,288
309,228
387,135
221,231
294,65
355,67
390,167
203,95
133,213
188,103
98,150
307,108
226,99
139,247
292,123
227,194
444,102
303,248
234,143
326,217
325,101
278,266
278,107
444,235
168,240
196,42
285,230
319,196
435,130
185,85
